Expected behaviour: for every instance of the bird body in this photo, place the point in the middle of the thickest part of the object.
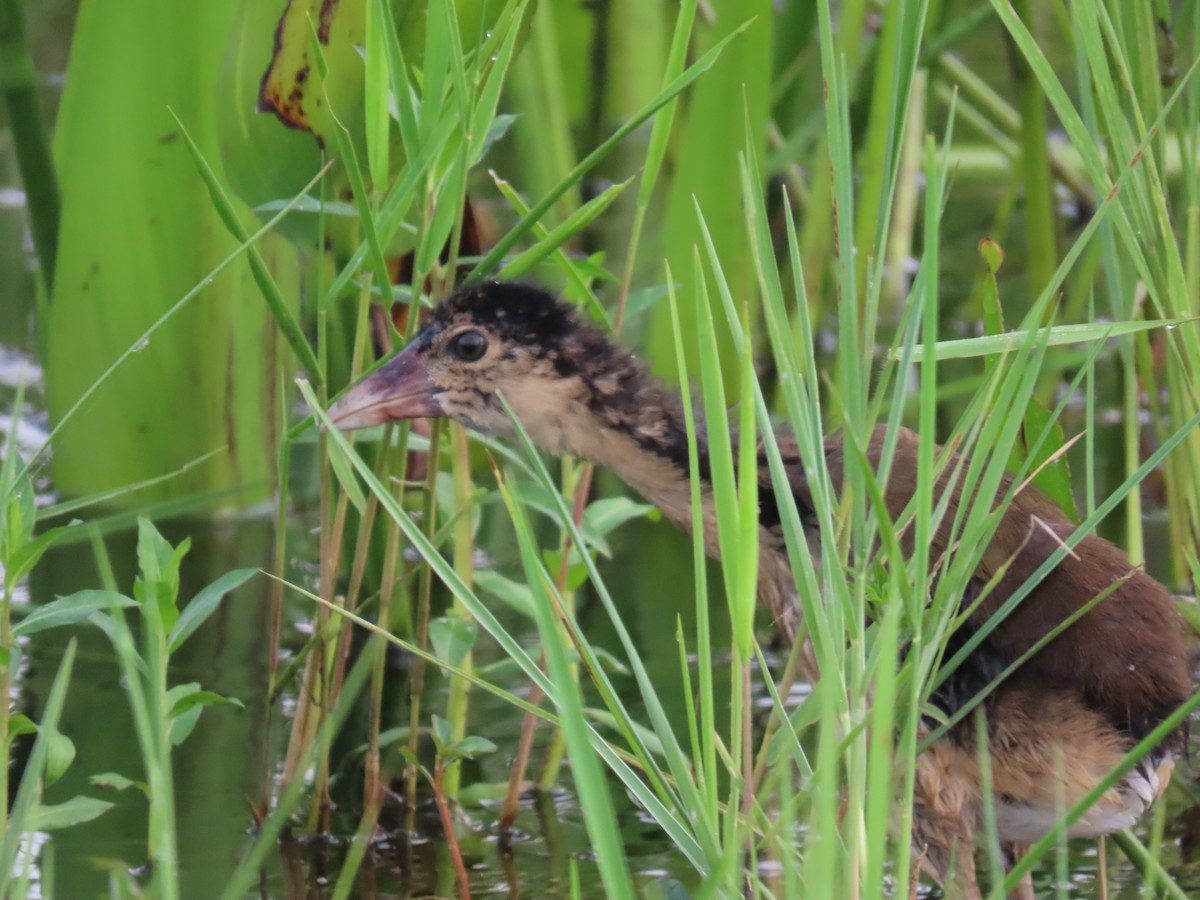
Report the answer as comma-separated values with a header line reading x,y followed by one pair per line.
x,y
1056,726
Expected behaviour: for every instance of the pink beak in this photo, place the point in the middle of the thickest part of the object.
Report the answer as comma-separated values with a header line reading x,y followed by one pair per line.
x,y
400,389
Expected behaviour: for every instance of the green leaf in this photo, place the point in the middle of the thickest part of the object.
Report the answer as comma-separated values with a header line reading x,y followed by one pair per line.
x,y
576,570
137,247
377,124
115,781
345,477
1058,336
610,661
513,593
159,564
413,760
28,795
468,748
60,754
1054,478
496,131
574,224
387,738
201,698
75,811
204,604
641,300
443,734
603,516
70,609
310,205
21,724
183,723
19,512
22,562
452,637
486,126
288,324
486,265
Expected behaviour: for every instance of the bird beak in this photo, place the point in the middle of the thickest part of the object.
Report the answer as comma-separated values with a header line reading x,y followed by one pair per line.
x,y
399,389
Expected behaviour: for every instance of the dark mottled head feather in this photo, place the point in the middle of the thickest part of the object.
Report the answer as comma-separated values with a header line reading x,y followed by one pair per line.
x,y
619,391
517,312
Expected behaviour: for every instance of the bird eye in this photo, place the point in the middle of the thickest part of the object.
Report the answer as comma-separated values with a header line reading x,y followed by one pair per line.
x,y
469,346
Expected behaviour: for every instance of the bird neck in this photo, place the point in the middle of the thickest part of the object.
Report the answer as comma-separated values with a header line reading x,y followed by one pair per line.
x,y
642,437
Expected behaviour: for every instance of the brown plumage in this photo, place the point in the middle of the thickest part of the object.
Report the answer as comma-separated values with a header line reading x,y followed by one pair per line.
x,y
1056,726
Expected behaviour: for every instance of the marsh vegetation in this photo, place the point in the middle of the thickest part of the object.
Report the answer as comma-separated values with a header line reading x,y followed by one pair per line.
x,y
248,656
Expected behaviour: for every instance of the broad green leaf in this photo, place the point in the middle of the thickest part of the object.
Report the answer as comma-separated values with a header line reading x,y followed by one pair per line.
x,y
726,109
75,811
71,609
1054,478
467,748
644,299
204,604
387,738
513,593
604,515
377,119
134,244
472,746
261,159
183,723
577,572
294,87
288,324
452,637
60,756
21,724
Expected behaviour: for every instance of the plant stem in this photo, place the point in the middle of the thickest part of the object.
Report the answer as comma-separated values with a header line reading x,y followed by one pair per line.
x,y
443,806
421,637
1035,165
5,712
464,552
17,83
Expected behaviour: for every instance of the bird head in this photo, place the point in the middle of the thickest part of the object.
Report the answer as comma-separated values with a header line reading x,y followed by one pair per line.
x,y
488,340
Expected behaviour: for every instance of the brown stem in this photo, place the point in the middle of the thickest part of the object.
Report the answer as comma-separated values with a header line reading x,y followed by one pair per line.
x,y
424,601
508,812
443,806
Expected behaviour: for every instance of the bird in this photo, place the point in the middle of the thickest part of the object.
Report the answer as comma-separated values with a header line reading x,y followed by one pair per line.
x,y
1056,726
